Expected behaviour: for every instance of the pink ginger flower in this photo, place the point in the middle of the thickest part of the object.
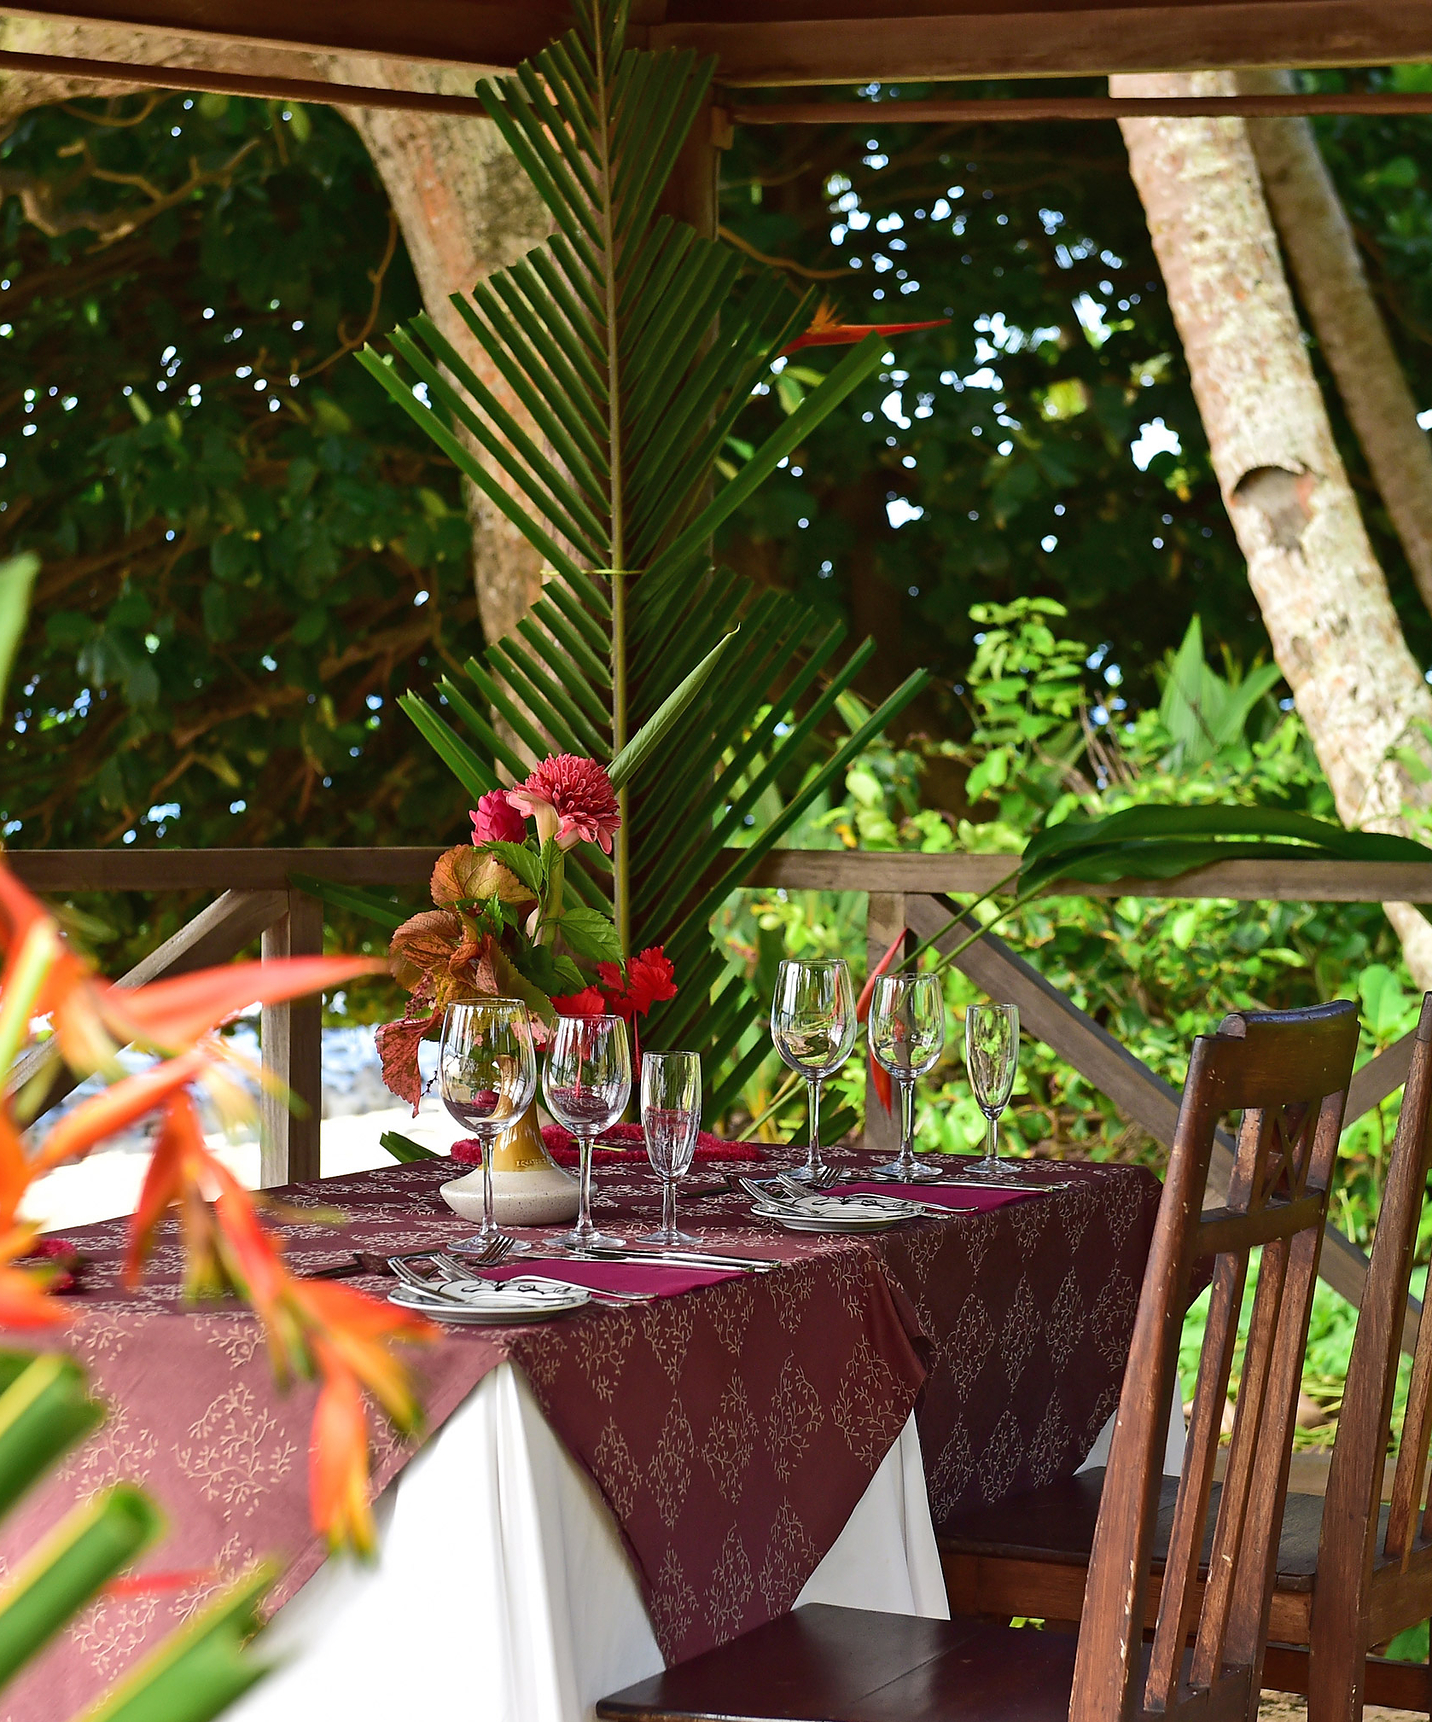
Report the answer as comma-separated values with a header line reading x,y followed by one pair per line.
x,y
571,799
496,820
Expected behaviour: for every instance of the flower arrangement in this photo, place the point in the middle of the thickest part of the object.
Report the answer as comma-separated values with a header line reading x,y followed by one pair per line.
x,y
502,925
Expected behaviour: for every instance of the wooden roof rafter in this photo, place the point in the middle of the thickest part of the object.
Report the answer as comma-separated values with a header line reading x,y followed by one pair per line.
x,y
808,42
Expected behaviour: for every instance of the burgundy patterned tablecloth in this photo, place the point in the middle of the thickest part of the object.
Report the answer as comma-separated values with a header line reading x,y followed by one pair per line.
x,y
731,1429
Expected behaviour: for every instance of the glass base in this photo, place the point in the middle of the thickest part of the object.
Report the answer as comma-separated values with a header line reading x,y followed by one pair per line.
x,y
802,1173
1006,1171
673,1240
583,1243
919,1172
475,1245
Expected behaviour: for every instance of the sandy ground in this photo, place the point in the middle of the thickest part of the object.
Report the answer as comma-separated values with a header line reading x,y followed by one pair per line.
x,y
109,1182
1288,1707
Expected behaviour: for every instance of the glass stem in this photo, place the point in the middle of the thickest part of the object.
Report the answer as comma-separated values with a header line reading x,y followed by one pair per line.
x,y
584,1187
813,1155
907,1125
489,1225
991,1153
668,1205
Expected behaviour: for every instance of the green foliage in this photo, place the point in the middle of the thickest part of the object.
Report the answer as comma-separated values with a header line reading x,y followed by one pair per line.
x,y
245,554
1203,711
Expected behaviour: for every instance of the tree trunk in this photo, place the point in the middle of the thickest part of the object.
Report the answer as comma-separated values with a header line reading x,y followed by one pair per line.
x,y
1319,245
465,208
1322,593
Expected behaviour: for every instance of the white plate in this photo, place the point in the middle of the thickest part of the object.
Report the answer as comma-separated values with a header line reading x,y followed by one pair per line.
x,y
496,1302
794,1221
841,1207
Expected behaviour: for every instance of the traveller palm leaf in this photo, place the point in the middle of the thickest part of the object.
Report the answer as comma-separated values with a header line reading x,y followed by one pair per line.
x,y
629,359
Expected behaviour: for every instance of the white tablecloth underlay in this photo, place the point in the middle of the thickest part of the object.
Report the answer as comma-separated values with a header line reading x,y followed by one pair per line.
x,y
502,1592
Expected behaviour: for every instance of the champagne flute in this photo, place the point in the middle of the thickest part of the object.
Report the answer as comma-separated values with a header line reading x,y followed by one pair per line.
x,y
813,1026
587,1083
670,1121
992,1053
487,1072
907,1036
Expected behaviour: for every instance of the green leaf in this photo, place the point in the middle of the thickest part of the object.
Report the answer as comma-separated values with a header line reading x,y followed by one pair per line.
x,y
17,578
45,1409
381,911
201,1669
404,1148
646,740
519,859
554,975
471,772
591,935
60,1577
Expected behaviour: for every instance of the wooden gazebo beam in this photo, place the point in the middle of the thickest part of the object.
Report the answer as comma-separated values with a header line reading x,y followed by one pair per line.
x,y
794,42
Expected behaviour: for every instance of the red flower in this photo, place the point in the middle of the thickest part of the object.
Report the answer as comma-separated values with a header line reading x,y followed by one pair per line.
x,y
496,820
571,799
826,330
588,1002
649,978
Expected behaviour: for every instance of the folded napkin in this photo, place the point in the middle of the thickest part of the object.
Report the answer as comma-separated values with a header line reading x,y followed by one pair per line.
x,y
615,1276
944,1195
622,1143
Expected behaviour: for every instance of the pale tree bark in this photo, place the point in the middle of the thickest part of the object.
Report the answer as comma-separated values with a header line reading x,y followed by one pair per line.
x,y
462,203
465,208
1322,253
1322,594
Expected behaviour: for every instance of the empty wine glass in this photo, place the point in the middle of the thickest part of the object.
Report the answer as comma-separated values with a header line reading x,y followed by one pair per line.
x,y
587,1083
813,1026
670,1121
907,1036
992,1053
487,1072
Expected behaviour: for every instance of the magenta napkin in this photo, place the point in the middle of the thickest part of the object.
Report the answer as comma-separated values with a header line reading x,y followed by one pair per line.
x,y
615,1276
943,1195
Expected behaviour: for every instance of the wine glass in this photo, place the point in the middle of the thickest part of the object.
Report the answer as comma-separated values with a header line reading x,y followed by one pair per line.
x,y
587,1083
670,1121
813,1027
487,1071
907,1036
992,1053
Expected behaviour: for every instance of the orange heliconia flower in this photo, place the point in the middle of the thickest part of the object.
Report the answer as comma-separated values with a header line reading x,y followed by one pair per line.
x,y
312,1327
826,330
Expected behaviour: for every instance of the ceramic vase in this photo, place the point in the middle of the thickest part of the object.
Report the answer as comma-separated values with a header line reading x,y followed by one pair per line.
x,y
528,1187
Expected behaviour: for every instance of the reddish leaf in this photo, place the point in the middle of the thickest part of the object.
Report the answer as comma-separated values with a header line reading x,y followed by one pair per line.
x,y
174,1013
338,1459
846,334
867,992
78,1131
884,1088
397,1044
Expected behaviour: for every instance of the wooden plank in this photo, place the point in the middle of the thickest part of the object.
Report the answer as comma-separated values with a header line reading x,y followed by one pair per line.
x,y
1378,1077
65,870
216,934
485,33
958,873
178,77
1129,1083
292,1036
884,921
1040,42
1022,109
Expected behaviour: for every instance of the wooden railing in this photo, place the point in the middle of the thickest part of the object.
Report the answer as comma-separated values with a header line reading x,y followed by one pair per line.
x,y
257,900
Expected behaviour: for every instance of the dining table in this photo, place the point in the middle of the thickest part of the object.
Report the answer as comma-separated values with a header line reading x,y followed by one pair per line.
x,y
621,1487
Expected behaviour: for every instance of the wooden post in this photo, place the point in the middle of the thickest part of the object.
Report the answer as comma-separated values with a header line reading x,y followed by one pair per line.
x,y
884,920
292,1051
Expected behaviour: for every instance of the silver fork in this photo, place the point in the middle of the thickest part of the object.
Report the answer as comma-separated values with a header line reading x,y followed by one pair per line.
x,y
462,1268
825,1180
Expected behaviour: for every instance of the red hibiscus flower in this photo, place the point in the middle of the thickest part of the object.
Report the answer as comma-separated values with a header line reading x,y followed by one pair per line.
x,y
588,1002
649,978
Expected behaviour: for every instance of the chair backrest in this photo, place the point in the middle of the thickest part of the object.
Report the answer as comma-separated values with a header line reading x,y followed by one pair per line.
x,y
1349,1548
1287,1072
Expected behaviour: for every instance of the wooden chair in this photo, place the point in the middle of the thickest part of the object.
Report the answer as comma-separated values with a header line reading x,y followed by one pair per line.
x,y
1287,1073
1349,1575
